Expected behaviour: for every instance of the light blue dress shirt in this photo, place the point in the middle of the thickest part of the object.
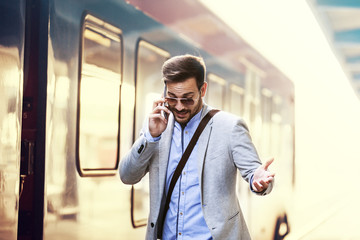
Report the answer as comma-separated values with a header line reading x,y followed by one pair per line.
x,y
184,219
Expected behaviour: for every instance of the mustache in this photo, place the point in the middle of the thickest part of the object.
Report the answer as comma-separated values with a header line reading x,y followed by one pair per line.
x,y
181,112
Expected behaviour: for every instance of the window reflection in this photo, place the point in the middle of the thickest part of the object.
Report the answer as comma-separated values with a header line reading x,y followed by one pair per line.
x,y
216,91
10,132
252,111
266,111
236,100
99,98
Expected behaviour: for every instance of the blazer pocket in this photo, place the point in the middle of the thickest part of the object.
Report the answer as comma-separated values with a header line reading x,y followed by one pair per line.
x,y
234,215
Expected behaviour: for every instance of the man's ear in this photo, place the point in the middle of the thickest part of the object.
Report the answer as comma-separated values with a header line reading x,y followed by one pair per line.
x,y
203,89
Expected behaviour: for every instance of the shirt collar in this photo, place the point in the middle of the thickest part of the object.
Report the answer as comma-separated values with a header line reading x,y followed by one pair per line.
x,y
193,123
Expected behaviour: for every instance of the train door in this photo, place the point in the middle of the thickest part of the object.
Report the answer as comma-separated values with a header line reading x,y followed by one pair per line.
x,y
149,86
11,91
83,197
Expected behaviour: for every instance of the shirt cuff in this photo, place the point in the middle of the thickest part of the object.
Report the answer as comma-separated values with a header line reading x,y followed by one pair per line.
x,y
150,138
251,182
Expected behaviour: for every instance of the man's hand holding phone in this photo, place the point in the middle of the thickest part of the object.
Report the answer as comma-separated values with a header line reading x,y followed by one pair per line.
x,y
158,118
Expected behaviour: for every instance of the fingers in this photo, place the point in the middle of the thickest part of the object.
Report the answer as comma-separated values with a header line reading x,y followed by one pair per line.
x,y
157,102
262,179
269,179
267,163
262,184
159,105
157,117
160,108
158,114
257,187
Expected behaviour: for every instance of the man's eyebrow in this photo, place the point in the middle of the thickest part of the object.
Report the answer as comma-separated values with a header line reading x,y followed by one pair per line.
x,y
183,96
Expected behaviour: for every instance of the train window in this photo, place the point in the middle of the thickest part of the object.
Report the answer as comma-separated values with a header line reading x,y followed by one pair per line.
x,y
276,118
99,99
149,86
266,112
216,91
252,103
236,99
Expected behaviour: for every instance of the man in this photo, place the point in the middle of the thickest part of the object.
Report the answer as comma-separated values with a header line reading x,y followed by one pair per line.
x,y
203,204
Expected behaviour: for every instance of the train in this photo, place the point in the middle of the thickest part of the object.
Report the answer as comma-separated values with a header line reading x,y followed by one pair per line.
x,y
77,79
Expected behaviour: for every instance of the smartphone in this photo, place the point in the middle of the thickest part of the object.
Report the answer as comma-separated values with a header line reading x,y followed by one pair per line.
x,y
163,113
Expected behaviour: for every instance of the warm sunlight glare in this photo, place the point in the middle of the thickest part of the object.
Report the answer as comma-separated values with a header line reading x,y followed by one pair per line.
x,y
326,108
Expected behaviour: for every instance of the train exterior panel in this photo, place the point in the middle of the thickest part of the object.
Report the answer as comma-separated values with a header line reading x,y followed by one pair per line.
x,y
12,35
92,70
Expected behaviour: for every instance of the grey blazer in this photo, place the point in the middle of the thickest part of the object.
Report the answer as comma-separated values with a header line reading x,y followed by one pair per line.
x,y
223,148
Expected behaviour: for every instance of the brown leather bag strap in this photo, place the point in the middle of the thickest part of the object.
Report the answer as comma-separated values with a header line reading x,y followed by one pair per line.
x,y
182,163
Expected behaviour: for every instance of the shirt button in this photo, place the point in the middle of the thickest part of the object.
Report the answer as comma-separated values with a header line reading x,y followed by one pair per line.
x,y
184,173
186,132
179,233
182,193
181,213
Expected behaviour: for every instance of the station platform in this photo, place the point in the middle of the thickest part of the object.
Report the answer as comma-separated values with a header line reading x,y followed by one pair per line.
x,y
338,223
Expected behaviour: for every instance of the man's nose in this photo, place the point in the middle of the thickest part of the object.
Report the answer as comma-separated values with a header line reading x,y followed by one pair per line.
x,y
179,106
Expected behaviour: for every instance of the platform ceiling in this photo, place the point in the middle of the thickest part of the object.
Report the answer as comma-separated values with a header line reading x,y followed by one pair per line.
x,y
340,20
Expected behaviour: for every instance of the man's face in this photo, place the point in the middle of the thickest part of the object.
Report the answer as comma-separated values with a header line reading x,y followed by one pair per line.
x,y
184,99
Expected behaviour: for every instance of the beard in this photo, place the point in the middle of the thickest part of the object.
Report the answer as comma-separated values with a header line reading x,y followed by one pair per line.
x,y
186,114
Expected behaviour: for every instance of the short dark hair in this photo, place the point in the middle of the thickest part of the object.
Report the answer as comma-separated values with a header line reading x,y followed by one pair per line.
x,y
183,67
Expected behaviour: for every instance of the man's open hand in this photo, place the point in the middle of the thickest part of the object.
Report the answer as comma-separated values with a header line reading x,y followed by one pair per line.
x,y
262,177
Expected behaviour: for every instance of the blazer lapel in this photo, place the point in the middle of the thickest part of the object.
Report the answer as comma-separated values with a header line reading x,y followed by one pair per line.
x,y
203,143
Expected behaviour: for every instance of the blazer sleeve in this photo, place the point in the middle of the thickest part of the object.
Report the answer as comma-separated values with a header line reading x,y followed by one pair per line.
x,y
135,164
244,153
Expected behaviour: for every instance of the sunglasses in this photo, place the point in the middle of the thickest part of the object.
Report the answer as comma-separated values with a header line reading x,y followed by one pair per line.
x,y
184,101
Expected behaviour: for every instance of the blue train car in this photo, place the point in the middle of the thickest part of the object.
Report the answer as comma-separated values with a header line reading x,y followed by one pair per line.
x,y
77,80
